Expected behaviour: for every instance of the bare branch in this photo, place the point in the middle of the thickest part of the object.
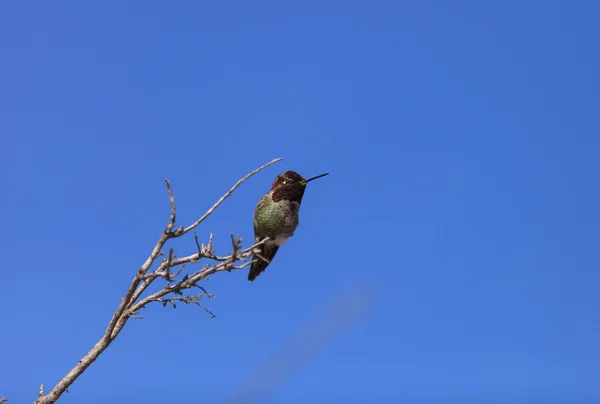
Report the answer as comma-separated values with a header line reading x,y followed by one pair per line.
x,y
185,299
216,205
207,293
191,281
198,243
167,270
3,400
173,208
206,310
170,268
109,333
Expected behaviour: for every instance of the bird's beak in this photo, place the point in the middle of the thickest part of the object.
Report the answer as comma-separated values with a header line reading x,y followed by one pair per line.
x,y
314,178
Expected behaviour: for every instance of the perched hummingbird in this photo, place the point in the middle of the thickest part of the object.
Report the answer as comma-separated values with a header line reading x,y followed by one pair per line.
x,y
276,217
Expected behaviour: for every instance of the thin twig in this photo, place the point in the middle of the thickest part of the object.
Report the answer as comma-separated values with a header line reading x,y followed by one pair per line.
x,y
212,315
173,208
216,205
197,243
187,300
207,293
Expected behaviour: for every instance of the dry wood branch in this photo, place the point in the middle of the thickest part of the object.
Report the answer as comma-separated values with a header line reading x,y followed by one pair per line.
x,y
169,269
185,299
207,293
3,400
192,280
220,201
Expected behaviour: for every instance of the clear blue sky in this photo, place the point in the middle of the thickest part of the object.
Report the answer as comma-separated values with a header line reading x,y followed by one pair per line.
x,y
462,140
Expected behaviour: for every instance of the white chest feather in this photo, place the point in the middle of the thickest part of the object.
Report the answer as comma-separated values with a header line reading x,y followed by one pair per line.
x,y
279,240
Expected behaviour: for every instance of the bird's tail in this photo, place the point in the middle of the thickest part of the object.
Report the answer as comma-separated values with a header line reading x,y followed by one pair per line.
x,y
265,251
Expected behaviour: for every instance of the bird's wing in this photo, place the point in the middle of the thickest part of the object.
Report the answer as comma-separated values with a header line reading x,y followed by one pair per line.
x,y
268,251
262,202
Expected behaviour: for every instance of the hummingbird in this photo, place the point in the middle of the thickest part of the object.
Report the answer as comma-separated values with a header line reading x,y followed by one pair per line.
x,y
276,217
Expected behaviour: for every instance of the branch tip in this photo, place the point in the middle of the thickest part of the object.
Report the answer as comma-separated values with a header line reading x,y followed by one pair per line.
x,y
233,188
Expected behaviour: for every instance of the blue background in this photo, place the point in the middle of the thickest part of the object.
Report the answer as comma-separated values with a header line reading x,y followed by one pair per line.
x,y
462,140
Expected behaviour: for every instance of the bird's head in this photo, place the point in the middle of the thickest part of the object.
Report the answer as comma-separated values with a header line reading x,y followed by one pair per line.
x,y
292,177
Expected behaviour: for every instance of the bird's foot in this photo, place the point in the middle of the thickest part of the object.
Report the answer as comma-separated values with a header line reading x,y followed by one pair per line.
x,y
263,258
